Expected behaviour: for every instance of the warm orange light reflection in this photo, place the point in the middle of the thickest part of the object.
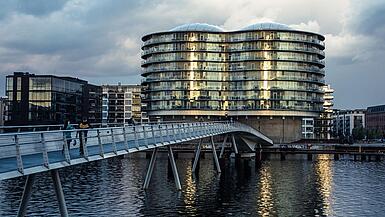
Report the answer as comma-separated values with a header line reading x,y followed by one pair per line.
x,y
265,202
189,195
324,172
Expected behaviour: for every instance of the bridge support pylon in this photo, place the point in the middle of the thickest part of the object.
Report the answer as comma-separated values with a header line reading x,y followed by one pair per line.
x,y
197,155
215,156
150,169
151,166
26,195
174,169
59,193
235,147
223,146
28,192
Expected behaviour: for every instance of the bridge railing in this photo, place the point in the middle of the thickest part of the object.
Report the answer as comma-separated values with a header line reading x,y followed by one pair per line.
x,y
51,127
28,152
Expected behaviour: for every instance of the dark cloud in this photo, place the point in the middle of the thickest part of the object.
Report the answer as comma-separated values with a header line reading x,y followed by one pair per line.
x,y
91,39
369,19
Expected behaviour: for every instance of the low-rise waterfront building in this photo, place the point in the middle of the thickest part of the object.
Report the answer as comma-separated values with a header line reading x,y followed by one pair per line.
x,y
375,118
122,104
48,99
344,121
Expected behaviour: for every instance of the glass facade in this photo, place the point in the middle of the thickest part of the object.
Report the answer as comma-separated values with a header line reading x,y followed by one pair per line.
x,y
254,69
46,99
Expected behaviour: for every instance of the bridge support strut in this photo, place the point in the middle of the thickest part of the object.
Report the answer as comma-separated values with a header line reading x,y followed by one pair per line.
x,y
234,144
217,166
26,195
28,192
197,155
223,146
150,169
174,169
59,193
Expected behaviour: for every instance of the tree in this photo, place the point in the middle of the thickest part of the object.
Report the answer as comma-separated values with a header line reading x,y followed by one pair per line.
x,y
358,133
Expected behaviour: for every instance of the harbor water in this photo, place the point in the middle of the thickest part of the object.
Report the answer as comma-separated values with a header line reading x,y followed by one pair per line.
x,y
293,187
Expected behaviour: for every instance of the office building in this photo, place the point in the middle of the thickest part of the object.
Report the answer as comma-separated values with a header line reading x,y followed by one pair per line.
x,y
122,104
267,75
3,109
49,99
375,118
344,121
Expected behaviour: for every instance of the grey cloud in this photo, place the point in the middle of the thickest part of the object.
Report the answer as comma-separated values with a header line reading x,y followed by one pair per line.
x,y
368,17
86,38
35,7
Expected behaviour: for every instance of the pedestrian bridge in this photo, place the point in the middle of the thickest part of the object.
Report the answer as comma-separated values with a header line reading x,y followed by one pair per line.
x,y
28,153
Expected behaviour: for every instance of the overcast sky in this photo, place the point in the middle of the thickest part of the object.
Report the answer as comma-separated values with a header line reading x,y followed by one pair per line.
x,y
100,41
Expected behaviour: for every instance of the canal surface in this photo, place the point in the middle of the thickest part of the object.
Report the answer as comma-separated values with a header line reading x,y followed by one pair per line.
x,y
294,187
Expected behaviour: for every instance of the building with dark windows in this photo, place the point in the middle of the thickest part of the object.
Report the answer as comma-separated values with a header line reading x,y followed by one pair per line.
x,y
375,119
344,121
267,75
3,109
122,104
48,99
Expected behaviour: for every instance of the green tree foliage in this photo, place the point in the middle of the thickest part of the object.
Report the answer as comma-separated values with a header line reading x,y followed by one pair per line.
x,y
358,133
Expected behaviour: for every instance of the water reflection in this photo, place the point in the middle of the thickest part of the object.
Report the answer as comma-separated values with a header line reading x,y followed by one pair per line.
x,y
324,173
295,187
265,200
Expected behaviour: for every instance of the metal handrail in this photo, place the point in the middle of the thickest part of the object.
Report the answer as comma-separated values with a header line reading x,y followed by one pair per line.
x,y
54,126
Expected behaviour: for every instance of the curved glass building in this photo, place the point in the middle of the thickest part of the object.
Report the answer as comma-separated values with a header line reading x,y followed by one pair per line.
x,y
263,71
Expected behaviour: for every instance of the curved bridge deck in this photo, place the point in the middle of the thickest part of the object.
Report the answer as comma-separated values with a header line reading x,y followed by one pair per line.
x,y
33,152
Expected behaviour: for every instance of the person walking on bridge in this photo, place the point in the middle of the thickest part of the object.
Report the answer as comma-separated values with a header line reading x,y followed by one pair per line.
x,y
67,134
83,126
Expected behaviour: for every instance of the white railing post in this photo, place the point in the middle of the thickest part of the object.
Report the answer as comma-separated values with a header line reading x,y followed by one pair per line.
x,y
185,130
180,132
85,150
173,132
101,149
20,167
145,136
161,134
136,137
113,142
66,150
191,127
45,152
125,138
168,133
153,134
